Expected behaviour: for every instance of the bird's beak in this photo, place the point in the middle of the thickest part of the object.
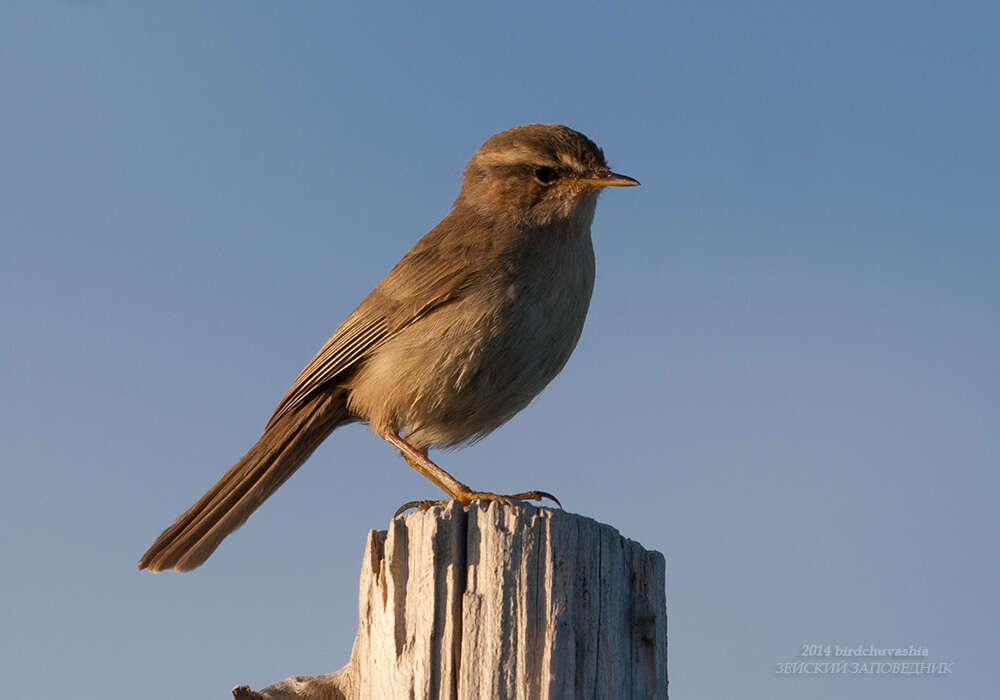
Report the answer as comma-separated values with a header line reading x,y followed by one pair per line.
x,y
609,180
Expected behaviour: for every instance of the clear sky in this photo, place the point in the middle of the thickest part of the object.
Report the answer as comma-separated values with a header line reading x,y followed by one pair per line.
x,y
788,382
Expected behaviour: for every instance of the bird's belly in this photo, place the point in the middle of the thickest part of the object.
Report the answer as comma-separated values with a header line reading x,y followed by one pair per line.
x,y
463,370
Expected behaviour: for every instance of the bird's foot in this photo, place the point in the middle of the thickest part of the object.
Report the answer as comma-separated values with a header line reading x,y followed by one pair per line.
x,y
466,499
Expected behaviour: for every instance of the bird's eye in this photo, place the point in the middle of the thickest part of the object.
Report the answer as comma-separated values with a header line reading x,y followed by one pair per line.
x,y
546,175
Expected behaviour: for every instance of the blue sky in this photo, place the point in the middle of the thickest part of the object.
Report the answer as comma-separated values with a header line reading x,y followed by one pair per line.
x,y
787,384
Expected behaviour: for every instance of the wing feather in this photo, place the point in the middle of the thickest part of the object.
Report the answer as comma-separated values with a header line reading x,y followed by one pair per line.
x,y
438,270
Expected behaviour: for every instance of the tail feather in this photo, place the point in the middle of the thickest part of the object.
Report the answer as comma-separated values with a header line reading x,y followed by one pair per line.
x,y
284,446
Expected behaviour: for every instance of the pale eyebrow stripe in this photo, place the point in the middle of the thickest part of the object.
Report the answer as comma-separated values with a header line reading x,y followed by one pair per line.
x,y
514,156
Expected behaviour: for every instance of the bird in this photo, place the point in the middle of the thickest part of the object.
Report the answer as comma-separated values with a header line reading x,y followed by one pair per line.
x,y
468,327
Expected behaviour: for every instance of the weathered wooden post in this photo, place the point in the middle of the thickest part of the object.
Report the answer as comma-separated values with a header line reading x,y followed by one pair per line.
x,y
500,603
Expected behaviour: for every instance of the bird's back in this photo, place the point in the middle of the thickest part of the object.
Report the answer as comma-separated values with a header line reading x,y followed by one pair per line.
x,y
466,367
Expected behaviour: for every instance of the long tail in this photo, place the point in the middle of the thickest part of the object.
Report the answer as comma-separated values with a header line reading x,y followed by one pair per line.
x,y
286,443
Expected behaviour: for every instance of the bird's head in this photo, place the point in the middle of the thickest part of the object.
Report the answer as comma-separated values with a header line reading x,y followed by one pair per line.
x,y
540,174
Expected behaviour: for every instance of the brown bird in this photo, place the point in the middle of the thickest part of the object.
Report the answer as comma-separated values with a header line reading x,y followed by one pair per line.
x,y
462,334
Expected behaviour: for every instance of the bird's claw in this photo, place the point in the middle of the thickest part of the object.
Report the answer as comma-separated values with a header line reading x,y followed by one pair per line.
x,y
536,496
466,499
420,505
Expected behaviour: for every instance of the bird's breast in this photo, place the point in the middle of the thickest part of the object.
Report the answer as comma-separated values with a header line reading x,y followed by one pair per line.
x,y
468,366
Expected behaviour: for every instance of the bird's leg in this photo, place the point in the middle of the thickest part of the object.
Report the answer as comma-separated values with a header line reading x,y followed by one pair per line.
x,y
418,460
450,485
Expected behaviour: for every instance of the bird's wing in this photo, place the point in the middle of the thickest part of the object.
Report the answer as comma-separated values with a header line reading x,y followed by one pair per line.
x,y
436,271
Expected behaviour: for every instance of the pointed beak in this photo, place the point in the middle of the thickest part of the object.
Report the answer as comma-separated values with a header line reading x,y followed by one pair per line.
x,y
609,180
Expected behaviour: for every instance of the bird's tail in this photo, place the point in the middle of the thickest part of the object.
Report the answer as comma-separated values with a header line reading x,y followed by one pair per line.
x,y
286,443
